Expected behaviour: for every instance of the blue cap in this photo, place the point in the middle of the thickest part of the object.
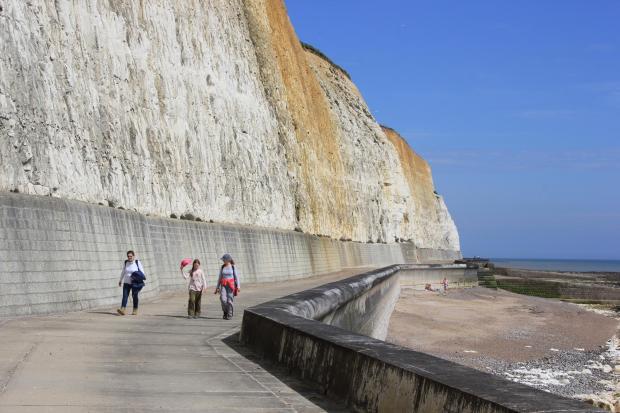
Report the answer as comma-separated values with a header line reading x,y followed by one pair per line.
x,y
226,257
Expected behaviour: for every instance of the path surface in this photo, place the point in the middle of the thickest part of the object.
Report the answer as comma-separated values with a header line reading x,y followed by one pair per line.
x,y
96,361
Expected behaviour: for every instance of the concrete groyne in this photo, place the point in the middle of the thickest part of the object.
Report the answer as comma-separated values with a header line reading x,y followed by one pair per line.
x,y
580,287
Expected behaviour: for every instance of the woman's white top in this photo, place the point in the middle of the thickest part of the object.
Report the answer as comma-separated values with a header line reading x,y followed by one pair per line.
x,y
128,269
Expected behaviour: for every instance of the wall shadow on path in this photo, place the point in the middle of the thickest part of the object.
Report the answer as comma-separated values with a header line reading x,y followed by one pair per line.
x,y
305,390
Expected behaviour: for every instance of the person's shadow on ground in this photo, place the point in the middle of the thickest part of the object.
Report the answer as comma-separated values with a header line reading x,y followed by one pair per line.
x,y
185,317
103,312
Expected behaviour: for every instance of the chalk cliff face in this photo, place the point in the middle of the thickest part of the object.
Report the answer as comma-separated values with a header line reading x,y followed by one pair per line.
x,y
428,217
397,182
212,108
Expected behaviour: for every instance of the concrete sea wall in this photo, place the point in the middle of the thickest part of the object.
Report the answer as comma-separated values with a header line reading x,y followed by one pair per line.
x,y
370,375
59,255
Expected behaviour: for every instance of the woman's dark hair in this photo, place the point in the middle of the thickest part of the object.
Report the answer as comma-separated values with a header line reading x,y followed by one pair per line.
x,y
131,252
196,261
232,262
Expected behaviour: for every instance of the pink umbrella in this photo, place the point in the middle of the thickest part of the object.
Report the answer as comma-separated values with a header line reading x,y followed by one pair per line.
x,y
185,262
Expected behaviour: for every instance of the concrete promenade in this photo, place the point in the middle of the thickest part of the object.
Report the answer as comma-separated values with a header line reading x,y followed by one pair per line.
x,y
96,361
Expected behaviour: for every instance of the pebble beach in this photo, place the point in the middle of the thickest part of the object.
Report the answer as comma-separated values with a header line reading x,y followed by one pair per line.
x,y
567,349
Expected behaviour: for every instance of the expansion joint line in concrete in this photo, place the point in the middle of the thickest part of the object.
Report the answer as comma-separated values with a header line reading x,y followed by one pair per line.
x,y
4,384
241,369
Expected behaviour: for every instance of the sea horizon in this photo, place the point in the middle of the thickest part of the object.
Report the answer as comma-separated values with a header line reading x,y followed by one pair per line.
x,y
560,264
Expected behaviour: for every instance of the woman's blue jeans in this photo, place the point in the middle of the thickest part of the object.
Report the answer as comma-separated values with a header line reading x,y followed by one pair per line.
x,y
134,294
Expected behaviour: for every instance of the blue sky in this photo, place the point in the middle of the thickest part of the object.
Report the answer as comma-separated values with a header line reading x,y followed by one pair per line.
x,y
516,105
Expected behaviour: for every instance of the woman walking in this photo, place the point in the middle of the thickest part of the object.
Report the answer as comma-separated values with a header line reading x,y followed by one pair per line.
x,y
197,285
132,280
227,286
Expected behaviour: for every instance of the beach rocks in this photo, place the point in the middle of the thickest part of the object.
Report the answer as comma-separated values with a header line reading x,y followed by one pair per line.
x,y
602,401
583,375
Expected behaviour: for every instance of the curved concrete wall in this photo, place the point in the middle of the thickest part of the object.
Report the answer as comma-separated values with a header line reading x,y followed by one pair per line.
x,y
367,306
369,313
371,375
418,275
58,255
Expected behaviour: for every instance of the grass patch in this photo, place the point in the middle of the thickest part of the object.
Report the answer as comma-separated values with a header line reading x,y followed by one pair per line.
x,y
322,55
530,287
487,279
389,128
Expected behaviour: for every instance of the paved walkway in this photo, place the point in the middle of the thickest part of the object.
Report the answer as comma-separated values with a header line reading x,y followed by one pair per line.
x,y
96,361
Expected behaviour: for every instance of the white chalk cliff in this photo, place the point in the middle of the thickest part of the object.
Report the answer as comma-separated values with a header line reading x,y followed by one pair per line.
x,y
211,108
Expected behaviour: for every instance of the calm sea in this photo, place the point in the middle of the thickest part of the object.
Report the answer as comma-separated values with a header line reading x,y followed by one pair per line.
x,y
559,265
